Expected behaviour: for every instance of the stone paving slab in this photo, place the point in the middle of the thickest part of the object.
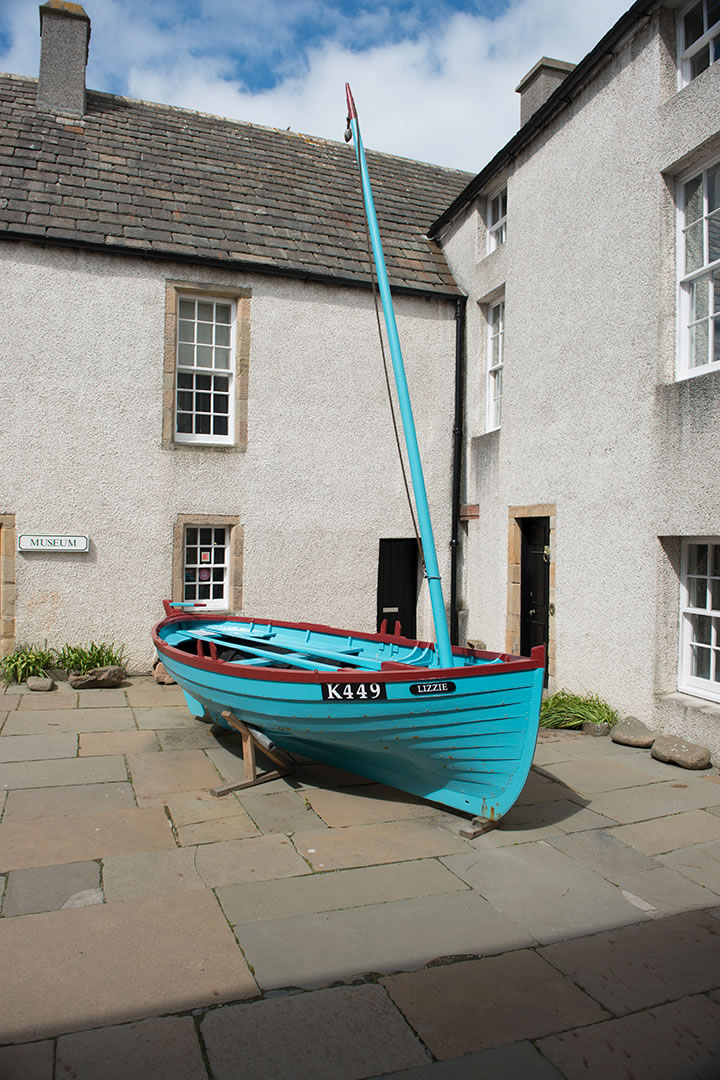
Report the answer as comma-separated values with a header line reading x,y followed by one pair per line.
x,y
171,771
217,831
38,747
314,950
465,1007
605,853
49,841
668,892
33,1061
350,1032
26,804
261,858
42,723
146,1050
367,845
364,805
564,900
147,694
188,738
540,789
645,965
162,717
119,962
101,699
201,806
153,873
520,1061
46,702
561,816
335,890
284,811
318,774
61,772
48,888
679,1040
99,743
599,774
700,863
670,833
655,800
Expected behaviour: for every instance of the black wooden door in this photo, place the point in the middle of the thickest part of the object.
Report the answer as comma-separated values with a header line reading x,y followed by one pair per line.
x,y
398,585
534,584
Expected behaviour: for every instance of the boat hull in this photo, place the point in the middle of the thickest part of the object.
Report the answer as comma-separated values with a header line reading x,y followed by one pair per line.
x,y
463,737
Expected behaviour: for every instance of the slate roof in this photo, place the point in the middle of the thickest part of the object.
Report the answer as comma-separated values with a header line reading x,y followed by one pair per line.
x,y
155,179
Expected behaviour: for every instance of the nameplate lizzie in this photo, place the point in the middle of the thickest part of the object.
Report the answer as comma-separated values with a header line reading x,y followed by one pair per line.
x,y
359,691
432,688
44,542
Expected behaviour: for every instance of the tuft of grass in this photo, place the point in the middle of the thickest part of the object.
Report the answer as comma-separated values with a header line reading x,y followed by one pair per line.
x,y
84,657
25,661
566,710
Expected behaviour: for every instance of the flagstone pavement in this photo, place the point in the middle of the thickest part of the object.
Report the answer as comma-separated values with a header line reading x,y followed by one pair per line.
x,y
323,926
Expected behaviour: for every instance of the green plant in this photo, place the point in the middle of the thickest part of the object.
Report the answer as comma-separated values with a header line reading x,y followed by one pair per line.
x,y
25,661
566,710
84,657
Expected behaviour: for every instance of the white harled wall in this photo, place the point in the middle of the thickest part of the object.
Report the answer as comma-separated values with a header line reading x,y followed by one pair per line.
x,y
593,421
317,487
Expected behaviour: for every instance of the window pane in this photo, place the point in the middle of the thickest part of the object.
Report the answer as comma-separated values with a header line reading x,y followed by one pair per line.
x,y
217,592
218,573
699,345
202,402
693,200
220,403
203,382
715,594
222,335
701,629
222,358
204,355
713,13
221,384
184,423
186,330
222,313
697,558
203,592
186,355
219,536
700,662
700,61
694,247
206,537
185,380
186,309
697,591
715,560
693,24
189,593
220,425
700,299
185,400
205,311
204,333
714,237
202,424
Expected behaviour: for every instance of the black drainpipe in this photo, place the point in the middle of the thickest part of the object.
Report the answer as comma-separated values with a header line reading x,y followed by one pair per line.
x,y
460,305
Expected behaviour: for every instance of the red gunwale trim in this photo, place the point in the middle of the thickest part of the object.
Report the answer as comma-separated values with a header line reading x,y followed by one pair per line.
x,y
409,672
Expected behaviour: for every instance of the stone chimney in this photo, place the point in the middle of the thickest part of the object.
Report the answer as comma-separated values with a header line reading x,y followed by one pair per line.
x,y
65,36
539,83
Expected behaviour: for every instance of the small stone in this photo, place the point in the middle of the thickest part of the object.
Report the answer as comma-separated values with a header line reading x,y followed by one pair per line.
x,y
37,683
632,732
161,675
678,751
97,678
589,728
84,898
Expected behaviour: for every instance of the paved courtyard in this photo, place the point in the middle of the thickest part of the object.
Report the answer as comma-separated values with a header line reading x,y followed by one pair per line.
x,y
323,926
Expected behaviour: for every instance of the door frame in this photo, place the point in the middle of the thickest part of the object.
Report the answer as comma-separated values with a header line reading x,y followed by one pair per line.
x,y
7,583
516,514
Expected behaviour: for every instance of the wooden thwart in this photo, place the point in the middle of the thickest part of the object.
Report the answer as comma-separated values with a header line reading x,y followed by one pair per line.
x,y
249,743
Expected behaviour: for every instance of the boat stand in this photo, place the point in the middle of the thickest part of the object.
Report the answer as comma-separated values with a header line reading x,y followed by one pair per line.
x,y
250,742
478,826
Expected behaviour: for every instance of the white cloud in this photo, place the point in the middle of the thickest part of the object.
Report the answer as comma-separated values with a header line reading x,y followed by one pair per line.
x,y
436,87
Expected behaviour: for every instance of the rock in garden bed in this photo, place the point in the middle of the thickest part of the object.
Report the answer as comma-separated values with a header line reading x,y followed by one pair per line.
x,y
632,732
675,750
39,684
97,678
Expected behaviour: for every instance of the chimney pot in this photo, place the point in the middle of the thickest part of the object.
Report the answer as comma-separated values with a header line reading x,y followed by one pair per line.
x,y
65,37
539,83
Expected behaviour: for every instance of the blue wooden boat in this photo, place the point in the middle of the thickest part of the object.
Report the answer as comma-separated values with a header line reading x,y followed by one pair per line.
x,y
455,726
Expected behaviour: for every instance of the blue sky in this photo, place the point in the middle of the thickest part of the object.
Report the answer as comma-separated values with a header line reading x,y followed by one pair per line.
x,y
433,79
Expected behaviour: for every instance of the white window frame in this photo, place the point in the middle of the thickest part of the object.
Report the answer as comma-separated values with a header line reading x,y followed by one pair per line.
x,y
212,372
710,38
496,225
495,363
205,561
688,282
688,683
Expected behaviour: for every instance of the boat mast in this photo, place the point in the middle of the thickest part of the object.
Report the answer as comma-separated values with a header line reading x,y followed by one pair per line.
x,y
444,650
